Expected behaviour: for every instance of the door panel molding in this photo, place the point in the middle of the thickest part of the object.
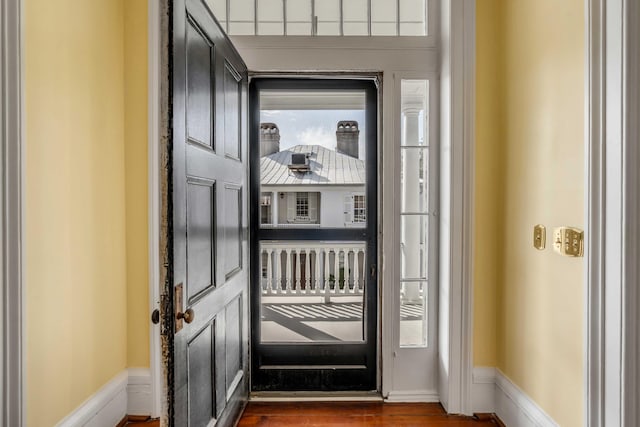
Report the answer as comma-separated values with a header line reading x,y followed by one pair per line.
x,y
12,308
232,225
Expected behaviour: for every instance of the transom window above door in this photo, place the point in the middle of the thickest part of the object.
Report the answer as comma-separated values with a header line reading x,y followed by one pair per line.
x,y
322,17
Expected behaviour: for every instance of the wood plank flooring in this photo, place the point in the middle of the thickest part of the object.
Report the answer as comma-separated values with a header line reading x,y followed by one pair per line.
x,y
139,422
346,414
350,414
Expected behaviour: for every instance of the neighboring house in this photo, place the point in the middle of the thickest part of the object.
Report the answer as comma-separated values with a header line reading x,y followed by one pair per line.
x,y
310,185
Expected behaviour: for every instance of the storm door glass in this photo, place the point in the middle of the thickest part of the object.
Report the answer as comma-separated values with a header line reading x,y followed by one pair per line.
x,y
314,146
312,169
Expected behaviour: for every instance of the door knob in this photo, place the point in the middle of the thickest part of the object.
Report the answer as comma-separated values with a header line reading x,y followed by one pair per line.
x,y
187,316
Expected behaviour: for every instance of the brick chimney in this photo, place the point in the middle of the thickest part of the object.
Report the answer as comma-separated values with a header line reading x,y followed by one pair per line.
x,y
269,139
347,136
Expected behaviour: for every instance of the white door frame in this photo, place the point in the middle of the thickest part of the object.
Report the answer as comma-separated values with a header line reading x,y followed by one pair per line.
x,y
457,161
612,210
11,309
158,403
457,48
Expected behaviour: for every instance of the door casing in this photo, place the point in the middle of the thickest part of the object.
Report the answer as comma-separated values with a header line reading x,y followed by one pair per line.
x,y
12,192
281,55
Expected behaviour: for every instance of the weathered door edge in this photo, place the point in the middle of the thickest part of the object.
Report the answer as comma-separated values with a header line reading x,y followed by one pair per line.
x,y
166,212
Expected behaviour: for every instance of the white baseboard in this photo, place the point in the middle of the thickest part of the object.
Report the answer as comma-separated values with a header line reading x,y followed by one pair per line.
x,y
139,397
106,407
128,393
483,390
427,396
493,391
516,408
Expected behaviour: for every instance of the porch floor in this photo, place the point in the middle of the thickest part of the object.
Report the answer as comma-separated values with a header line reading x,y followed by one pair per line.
x,y
311,319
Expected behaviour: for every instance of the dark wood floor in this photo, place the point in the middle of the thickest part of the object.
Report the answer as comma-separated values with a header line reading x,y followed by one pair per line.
x,y
139,422
348,414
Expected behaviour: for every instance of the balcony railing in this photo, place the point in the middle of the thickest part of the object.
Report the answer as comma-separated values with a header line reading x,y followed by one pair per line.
x,y
329,269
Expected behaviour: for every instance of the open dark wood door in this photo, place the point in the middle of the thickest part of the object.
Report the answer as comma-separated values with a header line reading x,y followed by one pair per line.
x,y
210,263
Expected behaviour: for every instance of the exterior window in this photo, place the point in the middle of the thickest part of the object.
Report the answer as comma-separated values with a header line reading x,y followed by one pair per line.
x,y
414,215
355,210
265,209
302,205
298,208
359,209
322,18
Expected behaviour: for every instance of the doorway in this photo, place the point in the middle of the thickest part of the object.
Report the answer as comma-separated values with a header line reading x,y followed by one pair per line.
x,y
314,226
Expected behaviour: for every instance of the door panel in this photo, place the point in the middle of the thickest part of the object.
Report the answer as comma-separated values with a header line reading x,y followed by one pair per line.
x,y
201,240
200,82
209,221
200,350
232,229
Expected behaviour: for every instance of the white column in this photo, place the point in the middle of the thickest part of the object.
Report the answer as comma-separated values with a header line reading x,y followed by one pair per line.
x,y
411,203
274,208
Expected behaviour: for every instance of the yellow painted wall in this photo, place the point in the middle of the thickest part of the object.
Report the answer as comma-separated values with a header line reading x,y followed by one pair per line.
x,y
86,199
540,120
76,296
135,92
488,201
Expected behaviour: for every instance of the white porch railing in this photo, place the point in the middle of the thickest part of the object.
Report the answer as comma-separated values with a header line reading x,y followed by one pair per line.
x,y
326,269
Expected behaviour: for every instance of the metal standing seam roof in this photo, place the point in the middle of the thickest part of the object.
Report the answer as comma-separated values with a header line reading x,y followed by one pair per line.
x,y
328,167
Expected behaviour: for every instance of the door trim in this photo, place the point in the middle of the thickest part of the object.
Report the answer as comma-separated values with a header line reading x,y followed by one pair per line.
x,y
12,309
274,53
153,152
457,164
594,139
611,372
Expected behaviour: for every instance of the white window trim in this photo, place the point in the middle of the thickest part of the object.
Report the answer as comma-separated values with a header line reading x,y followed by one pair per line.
x,y
612,300
268,196
431,23
395,354
299,205
354,195
12,309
